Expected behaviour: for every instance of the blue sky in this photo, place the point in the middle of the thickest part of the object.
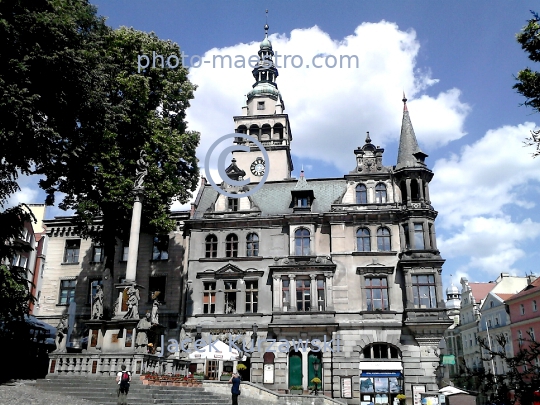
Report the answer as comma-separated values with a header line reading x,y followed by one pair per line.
x,y
456,61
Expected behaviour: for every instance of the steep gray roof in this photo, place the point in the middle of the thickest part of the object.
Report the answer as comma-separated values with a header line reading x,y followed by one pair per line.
x,y
409,152
275,198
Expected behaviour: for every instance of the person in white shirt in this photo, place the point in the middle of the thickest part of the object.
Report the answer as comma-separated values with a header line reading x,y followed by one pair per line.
x,y
123,378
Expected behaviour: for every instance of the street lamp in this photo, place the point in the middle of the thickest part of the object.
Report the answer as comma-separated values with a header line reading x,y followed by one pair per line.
x,y
316,365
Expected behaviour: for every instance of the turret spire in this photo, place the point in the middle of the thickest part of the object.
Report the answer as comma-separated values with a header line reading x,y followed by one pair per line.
x,y
409,153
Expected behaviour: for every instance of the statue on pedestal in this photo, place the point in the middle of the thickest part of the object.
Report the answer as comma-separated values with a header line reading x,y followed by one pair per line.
x,y
61,335
132,303
144,325
97,306
142,171
154,319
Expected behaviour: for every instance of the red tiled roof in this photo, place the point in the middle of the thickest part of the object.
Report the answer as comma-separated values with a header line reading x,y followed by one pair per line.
x,y
530,289
504,297
481,290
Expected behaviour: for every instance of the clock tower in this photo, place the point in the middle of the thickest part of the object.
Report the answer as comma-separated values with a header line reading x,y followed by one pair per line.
x,y
263,119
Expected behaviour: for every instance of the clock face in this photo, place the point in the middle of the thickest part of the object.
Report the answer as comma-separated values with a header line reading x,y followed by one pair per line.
x,y
257,167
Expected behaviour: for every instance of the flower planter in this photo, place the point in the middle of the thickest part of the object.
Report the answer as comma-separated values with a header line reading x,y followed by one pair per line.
x,y
177,384
225,377
297,392
198,377
145,382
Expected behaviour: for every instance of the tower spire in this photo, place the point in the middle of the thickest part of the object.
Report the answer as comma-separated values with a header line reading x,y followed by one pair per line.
x,y
409,153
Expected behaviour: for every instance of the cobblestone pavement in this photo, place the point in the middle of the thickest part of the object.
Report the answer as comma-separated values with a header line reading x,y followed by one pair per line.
x,y
25,393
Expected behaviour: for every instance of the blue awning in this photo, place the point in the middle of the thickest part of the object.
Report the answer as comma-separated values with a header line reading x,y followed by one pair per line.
x,y
380,374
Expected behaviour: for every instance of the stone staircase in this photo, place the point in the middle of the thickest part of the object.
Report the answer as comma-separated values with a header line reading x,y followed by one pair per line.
x,y
104,391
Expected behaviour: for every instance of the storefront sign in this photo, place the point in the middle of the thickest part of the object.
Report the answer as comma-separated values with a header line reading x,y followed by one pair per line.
x,y
346,387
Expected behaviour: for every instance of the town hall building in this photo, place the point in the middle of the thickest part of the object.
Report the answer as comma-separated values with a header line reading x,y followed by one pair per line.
x,y
349,265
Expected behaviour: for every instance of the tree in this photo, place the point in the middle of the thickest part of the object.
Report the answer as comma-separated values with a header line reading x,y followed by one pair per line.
x,y
528,80
138,111
50,50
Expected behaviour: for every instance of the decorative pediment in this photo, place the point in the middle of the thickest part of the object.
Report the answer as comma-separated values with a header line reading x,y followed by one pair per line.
x,y
229,271
303,264
375,268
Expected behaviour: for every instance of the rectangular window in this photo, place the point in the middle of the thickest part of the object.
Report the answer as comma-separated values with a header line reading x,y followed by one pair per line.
x,y
286,298
15,260
252,296
377,294
531,334
303,295
67,292
520,338
534,306
407,236
230,297
157,283
125,251
521,309
160,249
233,204
23,261
320,294
92,287
209,298
303,202
97,254
418,236
72,249
260,105
424,291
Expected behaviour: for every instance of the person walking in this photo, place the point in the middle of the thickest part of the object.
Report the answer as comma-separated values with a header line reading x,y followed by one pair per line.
x,y
123,378
235,390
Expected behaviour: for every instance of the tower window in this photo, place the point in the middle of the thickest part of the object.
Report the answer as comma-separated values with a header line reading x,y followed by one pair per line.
x,y
231,245
233,204
260,105
302,242
383,240
415,190
361,194
419,236
424,291
211,246
254,130
380,193
362,240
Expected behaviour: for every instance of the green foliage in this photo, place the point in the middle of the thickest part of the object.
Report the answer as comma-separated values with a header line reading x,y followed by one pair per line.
x,y
528,80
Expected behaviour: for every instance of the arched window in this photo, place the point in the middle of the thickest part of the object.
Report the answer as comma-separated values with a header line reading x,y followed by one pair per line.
x,y
252,245
266,130
211,246
254,130
363,243
242,129
231,245
301,242
278,131
381,351
361,194
380,193
383,240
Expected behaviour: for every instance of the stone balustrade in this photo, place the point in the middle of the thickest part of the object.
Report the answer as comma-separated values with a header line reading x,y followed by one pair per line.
x,y
108,365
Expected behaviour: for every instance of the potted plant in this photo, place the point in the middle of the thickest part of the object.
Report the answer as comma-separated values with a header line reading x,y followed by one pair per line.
x,y
316,381
240,367
198,376
225,377
401,398
296,390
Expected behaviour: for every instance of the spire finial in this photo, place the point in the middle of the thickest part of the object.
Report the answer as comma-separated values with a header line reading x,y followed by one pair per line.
x,y
368,139
404,102
302,171
266,27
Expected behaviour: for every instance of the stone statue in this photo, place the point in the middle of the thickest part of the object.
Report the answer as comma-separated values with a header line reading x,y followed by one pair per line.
x,y
132,303
61,335
155,316
144,325
115,307
97,305
142,171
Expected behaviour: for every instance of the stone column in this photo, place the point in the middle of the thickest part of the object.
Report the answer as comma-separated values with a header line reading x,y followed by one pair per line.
x,y
292,292
420,189
426,194
329,292
276,286
408,186
313,292
131,269
427,239
411,234
433,237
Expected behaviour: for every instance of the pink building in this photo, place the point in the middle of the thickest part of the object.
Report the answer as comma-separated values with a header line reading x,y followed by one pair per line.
x,y
525,316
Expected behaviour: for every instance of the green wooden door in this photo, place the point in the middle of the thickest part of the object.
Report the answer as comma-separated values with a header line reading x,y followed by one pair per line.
x,y
295,369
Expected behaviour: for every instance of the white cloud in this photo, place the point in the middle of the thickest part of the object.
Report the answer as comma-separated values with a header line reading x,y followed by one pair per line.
x,y
331,109
476,193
